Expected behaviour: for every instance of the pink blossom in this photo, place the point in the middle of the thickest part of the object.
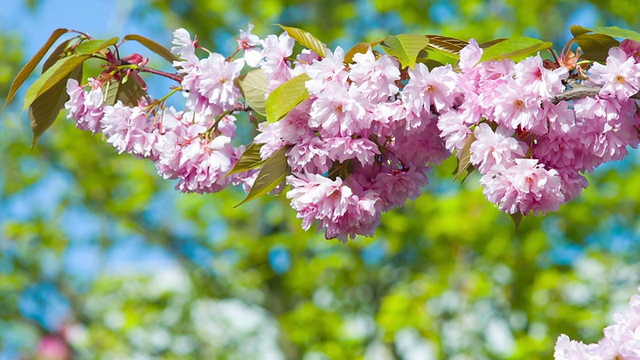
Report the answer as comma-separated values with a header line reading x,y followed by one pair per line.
x,y
621,339
335,206
85,108
420,147
204,163
304,60
276,64
620,77
187,153
395,186
316,197
128,129
375,77
515,109
437,88
495,148
453,130
607,128
340,111
345,148
567,349
330,70
523,188
209,84
631,48
288,131
470,55
249,43
310,155
534,78
361,218
184,47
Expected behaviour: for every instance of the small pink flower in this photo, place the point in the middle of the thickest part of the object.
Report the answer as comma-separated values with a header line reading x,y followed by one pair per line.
x,y
495,148
249,43
523,188
85,108
620,77
437,88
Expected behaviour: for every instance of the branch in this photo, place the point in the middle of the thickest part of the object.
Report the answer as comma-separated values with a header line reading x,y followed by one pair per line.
x,y
579,91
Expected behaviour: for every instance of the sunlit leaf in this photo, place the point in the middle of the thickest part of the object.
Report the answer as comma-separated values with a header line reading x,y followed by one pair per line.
x,y
577,30
446,44
93,46
254,89
250,159
31,64
306,39
464,161
153,46
615,31
110,90
286,97
516,48
443,57
52,76
129,92
490,43
405,47
55,55
44,110
274,170
596,46
361,47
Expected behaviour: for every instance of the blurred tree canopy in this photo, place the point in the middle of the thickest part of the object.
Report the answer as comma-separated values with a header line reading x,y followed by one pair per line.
x,y
445,277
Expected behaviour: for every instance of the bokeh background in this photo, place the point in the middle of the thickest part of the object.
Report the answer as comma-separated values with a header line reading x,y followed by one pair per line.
x,y
101,259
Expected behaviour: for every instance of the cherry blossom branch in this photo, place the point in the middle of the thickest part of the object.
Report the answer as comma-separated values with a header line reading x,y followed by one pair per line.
x,y
175,77
577,92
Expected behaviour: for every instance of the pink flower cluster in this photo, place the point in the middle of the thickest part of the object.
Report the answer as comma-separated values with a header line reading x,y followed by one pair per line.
x,y
621,339
532,149
364,139
193,145
362,143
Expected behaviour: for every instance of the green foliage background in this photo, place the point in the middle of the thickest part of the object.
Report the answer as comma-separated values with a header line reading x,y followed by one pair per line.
x,y
446,274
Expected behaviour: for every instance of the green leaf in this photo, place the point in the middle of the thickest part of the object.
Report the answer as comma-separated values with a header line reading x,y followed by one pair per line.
x,y
464,160
274,170
359,48
306,39
45,108
517,219
596,46
490,43
286,97
129,93
443,57
514,48
250,159
52,76
110,90
31,65
254,89
55,55
153,46
405,47
446,44
615,31
577,30
93,46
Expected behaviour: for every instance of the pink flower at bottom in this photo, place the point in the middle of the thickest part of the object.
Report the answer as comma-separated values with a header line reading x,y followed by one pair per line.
x,y
337,208
524,187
